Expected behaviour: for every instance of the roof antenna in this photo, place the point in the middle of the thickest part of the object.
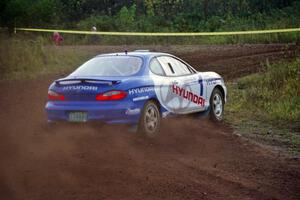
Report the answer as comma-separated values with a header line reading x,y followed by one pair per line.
x,y
126,51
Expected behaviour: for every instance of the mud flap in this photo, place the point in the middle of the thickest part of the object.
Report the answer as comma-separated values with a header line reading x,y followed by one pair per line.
x,y
133,128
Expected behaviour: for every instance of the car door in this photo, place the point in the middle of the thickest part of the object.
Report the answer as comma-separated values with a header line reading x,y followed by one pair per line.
x,y
179,89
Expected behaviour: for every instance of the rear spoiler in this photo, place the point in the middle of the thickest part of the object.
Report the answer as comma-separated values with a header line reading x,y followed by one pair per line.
x,y
89,80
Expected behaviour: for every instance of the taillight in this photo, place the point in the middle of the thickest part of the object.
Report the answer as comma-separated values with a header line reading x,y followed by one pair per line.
x,y
111,95
53,96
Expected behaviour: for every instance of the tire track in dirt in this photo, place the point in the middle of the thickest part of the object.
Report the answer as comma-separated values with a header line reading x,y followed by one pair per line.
x,y
237,61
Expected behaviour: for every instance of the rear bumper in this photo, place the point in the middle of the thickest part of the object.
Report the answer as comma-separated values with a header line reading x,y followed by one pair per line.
x,y
109,112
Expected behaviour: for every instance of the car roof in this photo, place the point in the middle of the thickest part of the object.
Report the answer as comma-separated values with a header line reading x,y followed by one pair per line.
x,y
145,54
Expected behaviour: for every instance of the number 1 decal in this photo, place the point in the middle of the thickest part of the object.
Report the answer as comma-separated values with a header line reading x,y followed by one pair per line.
x,y
201,87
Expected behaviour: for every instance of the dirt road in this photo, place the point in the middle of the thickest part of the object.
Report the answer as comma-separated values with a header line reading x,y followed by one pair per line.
x,y
191,159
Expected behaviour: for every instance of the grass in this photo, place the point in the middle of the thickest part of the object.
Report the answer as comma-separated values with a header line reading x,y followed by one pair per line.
x,y
267,104
74,39
29,58
191,40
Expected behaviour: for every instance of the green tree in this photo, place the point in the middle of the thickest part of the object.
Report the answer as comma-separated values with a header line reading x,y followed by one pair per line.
x,y
126,18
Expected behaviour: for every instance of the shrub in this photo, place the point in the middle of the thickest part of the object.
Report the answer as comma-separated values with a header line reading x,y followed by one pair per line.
x,y
275,91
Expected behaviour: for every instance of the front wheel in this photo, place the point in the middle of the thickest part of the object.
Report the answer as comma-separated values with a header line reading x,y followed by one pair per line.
x,y
150,120
216,105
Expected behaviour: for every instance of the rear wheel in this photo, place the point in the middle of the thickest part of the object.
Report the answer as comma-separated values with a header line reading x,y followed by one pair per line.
x,y
150,120
216,105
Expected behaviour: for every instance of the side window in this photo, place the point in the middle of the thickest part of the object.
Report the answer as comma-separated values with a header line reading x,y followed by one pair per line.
x,y
184,68
166,65
174,67
156,68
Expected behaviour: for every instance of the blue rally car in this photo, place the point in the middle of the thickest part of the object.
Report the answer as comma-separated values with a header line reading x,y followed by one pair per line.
x,y
137,88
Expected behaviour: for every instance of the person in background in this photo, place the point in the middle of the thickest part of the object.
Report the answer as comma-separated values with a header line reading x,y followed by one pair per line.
x,y
94,29
94,39
57,38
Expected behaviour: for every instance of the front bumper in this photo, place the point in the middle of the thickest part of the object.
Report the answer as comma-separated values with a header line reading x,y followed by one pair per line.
x,y
108,112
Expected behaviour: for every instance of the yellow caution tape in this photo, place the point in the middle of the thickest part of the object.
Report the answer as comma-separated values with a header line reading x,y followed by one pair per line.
x,y
162,34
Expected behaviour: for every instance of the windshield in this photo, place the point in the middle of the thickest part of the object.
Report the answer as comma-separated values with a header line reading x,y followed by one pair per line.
x,y
109,66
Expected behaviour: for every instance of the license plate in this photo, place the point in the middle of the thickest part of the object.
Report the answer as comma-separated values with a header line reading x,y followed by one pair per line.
x,y
77,116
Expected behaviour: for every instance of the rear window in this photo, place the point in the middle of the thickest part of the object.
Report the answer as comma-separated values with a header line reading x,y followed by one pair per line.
x,y
110,66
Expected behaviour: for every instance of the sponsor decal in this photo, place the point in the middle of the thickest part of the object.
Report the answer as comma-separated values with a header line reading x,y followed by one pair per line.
x,y
140,90
188,95
201,87
170,100
80,87
133,111
212,81
140,98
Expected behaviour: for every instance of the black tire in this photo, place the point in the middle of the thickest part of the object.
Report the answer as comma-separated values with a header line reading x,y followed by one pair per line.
x,y
150,120
216,105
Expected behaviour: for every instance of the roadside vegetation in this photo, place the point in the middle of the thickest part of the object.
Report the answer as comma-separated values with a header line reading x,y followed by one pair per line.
x,y
292,37
157,16
28,58
266,105
152,15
